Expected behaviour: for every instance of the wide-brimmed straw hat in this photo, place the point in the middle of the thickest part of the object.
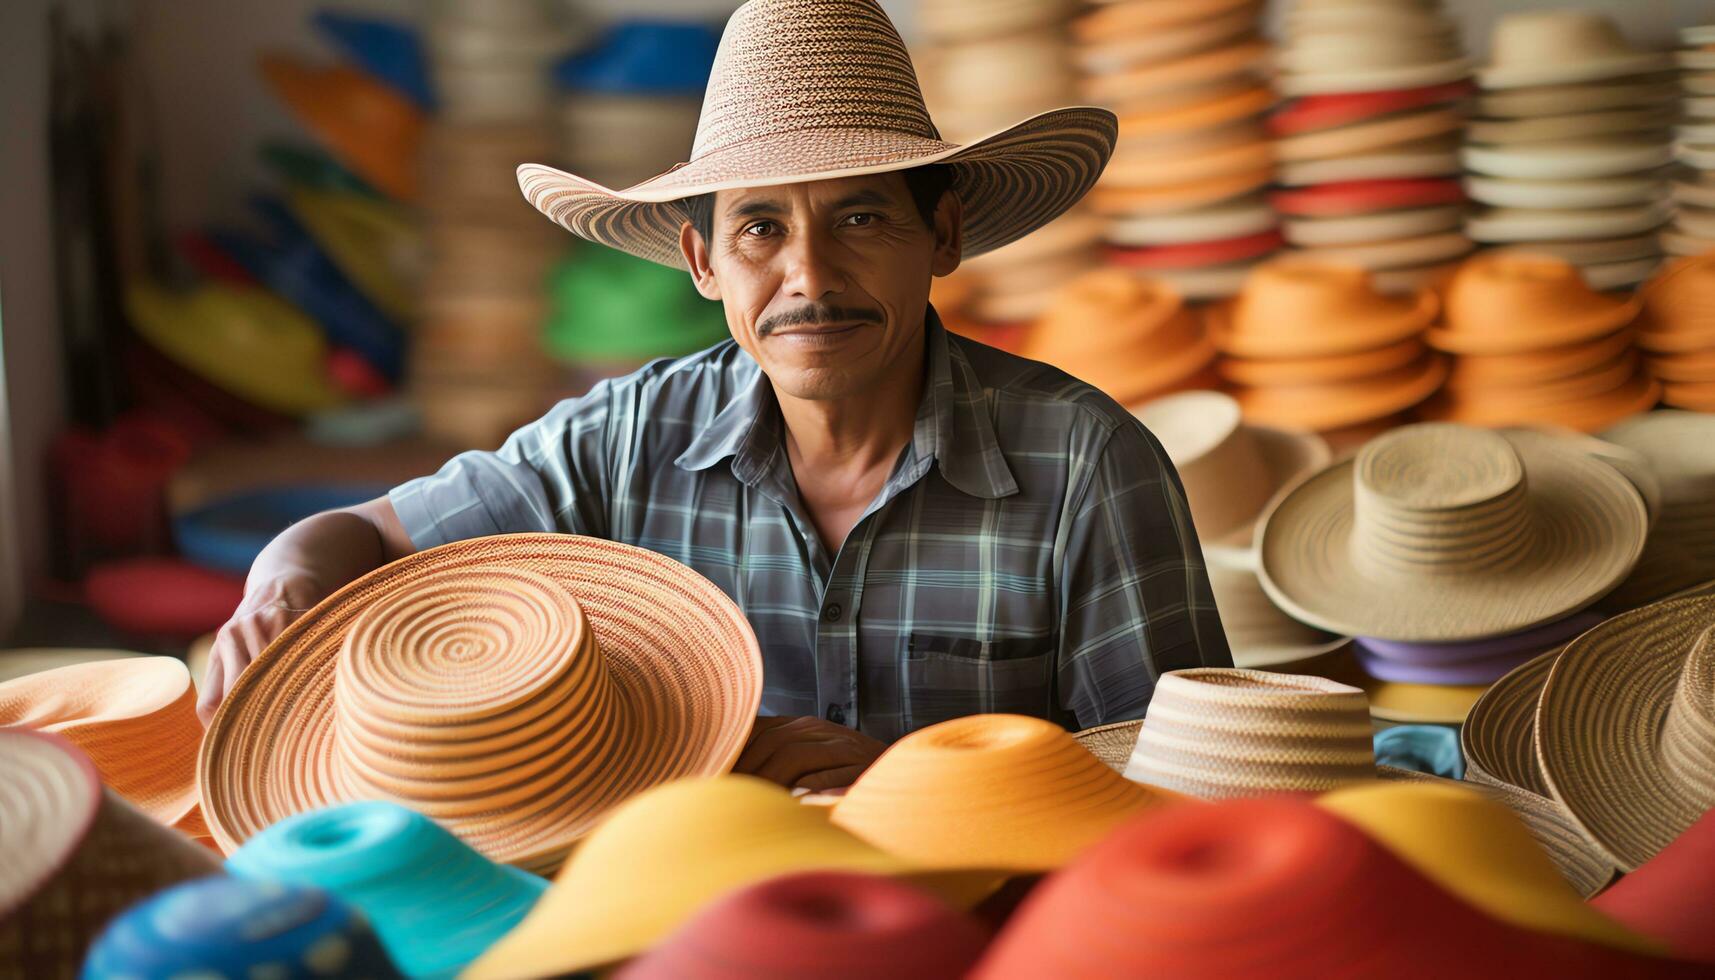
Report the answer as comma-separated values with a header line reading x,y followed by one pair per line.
x,y
1625,727
667,853
436,903
135,718
819,923
432,680
1679,449
1259,635
1437,532
1215,732
1276,887
1230,469
1560,47
992,792
816,91
76,854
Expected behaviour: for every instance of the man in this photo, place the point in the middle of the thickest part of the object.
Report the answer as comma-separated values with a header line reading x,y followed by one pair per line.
x,y
917,526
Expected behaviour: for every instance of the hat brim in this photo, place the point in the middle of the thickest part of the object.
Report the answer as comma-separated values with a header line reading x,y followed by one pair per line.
x,y
680,654
1287,454
1599,725
1009,183
1573,72
1341,404
1589,524
1375,79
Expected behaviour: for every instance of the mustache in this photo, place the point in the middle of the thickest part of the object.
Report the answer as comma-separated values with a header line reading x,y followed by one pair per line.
x,y
818,314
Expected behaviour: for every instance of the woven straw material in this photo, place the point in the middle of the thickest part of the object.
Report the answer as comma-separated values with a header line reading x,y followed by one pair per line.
x,y
1218,732
514,688
990,792
136,720
1439,533
1258,633
806,90
668,853
76,855
1625,727
1293,307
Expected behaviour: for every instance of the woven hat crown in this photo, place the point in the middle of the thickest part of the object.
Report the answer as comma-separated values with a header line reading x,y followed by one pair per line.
x,y
794,65
1688,735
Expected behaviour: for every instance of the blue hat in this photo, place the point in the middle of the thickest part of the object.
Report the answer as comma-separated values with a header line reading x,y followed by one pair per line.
x,y
228,533
436,903
391,52
644,58
226,927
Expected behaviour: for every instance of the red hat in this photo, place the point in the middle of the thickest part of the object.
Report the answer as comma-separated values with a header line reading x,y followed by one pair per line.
x,y
1270,886
1672,896
826,924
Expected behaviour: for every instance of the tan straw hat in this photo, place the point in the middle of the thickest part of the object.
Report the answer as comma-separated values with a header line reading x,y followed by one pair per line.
x,y
1437,532
1560,47
1216,732
433,680
1229,469
1679,448
76,855
135,718
805,90
1260,636
1625,728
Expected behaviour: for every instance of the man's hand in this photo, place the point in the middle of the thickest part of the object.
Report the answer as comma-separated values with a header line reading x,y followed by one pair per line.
x,y
263,615
807,752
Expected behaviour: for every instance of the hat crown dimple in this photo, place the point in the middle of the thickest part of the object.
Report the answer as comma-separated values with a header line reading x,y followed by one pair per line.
x,y
799,65
1688,734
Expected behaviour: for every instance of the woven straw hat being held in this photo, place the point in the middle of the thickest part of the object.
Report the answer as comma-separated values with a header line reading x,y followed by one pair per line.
x,y
434,680
806,90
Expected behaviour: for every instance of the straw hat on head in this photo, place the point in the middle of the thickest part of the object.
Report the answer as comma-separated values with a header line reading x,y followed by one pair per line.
x,y
1625,727
76,854
1230,470
134,717
806,90
1560,47
668,853
430,681
997,792
1438,532
1508,303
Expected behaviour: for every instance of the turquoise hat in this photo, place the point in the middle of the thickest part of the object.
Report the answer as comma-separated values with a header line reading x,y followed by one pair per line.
x,y
610,306
221,927
436,903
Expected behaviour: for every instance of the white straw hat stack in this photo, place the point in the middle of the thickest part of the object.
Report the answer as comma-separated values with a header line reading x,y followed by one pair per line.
x,y
1693,231
478,369
1182,198
1679,448
1368,143
983,66
1568,155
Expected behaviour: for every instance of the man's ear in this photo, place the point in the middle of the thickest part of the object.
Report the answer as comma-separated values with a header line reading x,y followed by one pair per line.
x,y
696,252
949,234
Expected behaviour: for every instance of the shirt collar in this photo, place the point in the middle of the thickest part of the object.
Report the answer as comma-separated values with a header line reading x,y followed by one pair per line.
x,y
953,426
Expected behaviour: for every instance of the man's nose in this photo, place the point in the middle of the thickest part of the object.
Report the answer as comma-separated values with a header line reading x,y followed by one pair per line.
x,y
811,270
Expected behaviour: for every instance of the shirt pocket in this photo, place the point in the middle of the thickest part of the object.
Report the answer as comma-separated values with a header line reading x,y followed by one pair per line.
x,y
953,676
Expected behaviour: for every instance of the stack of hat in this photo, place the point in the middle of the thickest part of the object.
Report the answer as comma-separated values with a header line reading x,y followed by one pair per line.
x,y
1368,145
1693,231
1677,331
1679,449
1133,338
984,66
1313,344
1536,345
1181,197
478,369
1568,156
631,99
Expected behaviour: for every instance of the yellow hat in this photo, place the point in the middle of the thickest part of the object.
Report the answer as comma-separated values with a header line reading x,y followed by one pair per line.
x,y
664,854
996,792
1475,848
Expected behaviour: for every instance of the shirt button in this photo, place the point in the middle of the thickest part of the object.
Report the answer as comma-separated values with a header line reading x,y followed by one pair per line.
x,y
831,612
837,714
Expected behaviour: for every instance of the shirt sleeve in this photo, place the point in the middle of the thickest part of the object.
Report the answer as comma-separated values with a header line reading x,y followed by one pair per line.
x,y
1135,595
550,475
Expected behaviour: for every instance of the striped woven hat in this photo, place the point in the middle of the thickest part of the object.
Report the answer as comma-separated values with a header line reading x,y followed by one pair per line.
x,y
805,90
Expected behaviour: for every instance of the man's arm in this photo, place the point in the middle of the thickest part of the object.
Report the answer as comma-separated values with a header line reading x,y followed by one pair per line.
x,y
1135,598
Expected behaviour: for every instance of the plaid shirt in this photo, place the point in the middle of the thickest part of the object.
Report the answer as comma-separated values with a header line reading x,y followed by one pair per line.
x,y
1031,551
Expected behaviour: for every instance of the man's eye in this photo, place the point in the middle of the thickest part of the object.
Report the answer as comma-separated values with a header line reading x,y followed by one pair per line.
x,y
760,229
860,220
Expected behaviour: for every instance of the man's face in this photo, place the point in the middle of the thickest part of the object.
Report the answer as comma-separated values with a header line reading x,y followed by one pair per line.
x,y
825,283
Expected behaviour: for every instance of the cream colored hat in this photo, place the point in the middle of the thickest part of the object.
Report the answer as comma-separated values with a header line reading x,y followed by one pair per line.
x,y
1230,470
1568,159
1438,533
802,92
1594,192
1558,47
1260,636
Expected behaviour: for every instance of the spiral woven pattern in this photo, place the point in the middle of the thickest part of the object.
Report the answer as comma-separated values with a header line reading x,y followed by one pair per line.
x,y
514,688
807,90
1625,727
1217,732
1439,533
